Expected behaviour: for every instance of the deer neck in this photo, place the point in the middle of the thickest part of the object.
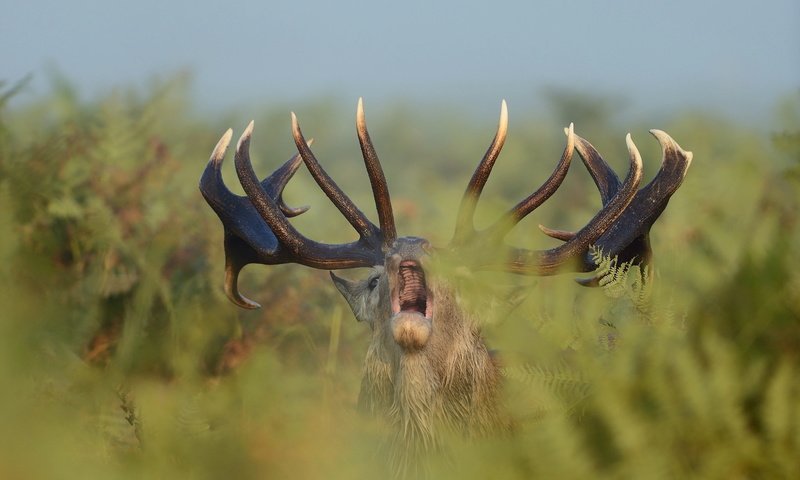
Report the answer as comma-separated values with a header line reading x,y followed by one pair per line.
x,y
450,383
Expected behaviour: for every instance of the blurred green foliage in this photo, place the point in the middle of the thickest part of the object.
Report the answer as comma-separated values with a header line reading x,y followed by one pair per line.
x,y
121,358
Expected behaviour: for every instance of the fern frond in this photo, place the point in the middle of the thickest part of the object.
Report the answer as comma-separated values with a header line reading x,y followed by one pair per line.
x,y
561,380
612,274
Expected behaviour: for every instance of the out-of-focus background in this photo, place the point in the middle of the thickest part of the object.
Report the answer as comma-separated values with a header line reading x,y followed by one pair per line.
x,y
120,356
729,57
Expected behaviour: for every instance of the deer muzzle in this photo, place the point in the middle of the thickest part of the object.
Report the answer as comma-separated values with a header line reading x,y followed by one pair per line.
x,y
412,305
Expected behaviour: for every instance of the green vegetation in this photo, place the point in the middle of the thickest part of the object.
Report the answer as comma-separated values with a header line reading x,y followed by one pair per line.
x,y
121,358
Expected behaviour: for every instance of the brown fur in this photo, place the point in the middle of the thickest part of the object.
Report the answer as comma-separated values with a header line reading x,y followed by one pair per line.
x,y
451,384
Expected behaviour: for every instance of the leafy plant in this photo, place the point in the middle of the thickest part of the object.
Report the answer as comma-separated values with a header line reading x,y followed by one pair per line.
x,y
122,358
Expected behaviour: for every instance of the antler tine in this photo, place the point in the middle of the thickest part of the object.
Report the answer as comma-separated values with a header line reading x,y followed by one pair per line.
x,y
604,177
218,154
466,210
501,228
548,262
276,182
233,266
357,219
557,234
264,205
675,159
377,180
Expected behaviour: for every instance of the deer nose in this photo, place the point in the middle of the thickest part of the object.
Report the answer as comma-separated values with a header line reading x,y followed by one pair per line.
x,y
427,247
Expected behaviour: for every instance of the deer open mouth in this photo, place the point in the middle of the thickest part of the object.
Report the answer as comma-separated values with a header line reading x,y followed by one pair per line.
x,y
410,293
411,323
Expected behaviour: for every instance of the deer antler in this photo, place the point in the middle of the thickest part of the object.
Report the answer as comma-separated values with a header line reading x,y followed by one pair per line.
x,y
257,229
256,226
629,237
537,262
246,238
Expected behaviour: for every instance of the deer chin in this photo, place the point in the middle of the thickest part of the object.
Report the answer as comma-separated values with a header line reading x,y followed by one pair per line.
x,y
411,331
412,306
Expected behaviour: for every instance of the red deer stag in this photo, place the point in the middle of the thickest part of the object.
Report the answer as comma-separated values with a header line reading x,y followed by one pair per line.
x,y
427,366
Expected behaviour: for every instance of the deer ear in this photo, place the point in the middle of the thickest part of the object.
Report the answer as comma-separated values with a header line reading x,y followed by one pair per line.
x,y
353,292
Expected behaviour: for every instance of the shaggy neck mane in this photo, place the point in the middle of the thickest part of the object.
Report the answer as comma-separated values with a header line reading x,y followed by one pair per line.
x,y
450,385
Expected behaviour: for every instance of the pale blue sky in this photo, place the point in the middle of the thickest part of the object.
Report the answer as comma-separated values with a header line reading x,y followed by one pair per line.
x,y
734,56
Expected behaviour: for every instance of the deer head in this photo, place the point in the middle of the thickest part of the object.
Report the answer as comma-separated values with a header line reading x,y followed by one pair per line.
x,y
427,365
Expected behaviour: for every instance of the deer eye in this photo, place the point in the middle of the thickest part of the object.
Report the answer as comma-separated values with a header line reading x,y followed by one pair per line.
x,y
373,282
